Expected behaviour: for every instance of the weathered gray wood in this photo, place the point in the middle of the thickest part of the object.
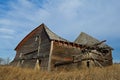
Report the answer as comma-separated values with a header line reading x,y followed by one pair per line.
x,y
50,55
50,49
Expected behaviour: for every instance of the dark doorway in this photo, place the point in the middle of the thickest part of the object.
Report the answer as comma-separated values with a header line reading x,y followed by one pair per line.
x,y
88,64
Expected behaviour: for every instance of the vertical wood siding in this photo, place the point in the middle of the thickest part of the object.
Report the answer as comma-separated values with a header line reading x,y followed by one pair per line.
x,y
30,47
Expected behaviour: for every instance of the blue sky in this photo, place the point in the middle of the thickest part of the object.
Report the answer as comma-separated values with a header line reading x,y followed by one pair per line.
x,y
67,18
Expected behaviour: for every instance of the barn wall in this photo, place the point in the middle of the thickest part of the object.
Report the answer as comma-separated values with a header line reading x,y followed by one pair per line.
x,y
29,46
30,49
99,59
108,60
62,53
44,50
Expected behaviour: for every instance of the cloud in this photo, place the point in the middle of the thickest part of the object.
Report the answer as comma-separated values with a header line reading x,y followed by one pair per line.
x,y
5,21
6,37
64,17
6,31
70,9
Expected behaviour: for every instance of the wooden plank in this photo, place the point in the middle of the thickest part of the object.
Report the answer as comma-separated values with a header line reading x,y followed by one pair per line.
x,y
49,63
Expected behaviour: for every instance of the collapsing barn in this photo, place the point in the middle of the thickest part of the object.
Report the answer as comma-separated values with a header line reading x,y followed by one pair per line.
x,y
96,53
42,49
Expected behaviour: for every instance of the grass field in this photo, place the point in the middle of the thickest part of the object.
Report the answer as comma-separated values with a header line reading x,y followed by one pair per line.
x,y
107,73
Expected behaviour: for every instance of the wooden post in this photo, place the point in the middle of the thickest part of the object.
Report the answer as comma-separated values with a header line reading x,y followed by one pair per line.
x,y
20,60
50,55
39,43
37,65
18,64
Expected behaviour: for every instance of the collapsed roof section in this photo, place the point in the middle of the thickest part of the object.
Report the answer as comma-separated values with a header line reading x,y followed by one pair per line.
x,y
88,40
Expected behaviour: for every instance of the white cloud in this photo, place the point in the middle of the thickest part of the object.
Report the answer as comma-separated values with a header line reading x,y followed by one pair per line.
x,y
24,13
67,16
6,37
5,22
70,8
6,31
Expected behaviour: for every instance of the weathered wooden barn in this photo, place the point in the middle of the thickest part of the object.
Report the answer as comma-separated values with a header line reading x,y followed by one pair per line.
x,y
97,53
42,49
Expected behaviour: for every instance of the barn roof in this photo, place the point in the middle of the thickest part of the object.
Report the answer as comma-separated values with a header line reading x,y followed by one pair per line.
x,y
88,40
51,35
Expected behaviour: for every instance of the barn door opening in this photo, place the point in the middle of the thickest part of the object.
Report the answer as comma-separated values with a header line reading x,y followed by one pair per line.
x,y
88,64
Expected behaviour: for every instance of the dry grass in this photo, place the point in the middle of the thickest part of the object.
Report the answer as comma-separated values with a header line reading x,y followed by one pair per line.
x,y
108,73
